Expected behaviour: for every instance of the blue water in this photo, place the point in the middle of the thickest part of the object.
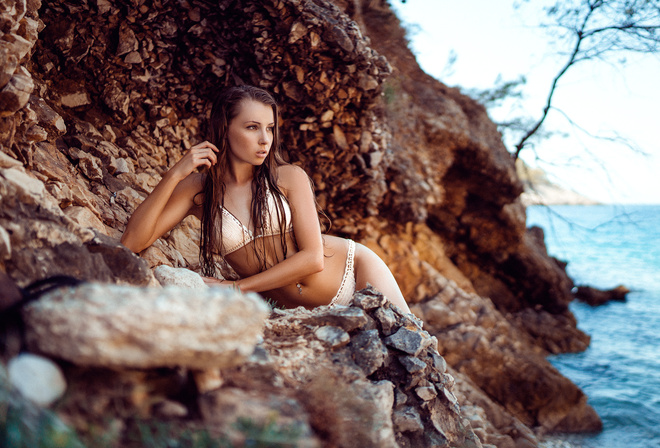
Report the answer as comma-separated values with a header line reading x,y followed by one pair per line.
x,y
606,246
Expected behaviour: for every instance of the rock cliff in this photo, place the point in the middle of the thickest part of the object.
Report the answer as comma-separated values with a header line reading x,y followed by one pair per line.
x,y
99,98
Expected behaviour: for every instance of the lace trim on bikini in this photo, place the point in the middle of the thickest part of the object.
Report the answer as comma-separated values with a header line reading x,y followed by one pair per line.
x,y
349,269
248,235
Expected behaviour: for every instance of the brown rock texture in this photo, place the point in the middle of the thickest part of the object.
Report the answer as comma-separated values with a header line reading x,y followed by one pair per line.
x,y
98,99
595,297
375,380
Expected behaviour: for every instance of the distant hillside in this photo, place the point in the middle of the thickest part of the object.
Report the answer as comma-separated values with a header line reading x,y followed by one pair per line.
x,y
539,190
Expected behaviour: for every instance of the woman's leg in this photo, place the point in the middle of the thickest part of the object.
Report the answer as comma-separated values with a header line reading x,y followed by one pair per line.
x,y
370,268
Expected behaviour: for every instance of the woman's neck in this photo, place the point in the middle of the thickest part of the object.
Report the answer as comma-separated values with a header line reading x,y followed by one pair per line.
x,y
240,174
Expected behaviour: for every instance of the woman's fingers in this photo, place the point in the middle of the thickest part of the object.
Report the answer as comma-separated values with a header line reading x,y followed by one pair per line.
x,y
206,144
211,281
205,157
204,154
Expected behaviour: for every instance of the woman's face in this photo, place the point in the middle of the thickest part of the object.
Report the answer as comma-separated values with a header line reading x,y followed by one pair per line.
x,y
250,133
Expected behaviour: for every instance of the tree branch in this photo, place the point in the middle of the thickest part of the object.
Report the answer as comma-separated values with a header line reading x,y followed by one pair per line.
x,y
548,103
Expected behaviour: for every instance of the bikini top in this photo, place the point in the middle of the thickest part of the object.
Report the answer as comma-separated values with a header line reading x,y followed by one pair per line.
x,y
236,235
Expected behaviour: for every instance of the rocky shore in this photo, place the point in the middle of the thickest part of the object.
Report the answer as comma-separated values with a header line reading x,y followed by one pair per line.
x,y
98,99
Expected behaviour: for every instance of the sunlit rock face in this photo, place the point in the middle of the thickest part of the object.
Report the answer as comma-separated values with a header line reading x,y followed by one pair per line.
x,y
99,99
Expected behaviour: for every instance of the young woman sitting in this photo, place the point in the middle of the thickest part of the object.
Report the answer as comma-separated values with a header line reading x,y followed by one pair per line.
x,y
258,213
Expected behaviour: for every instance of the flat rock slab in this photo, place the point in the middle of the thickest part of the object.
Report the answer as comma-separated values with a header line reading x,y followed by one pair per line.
x,y
124,326
169,276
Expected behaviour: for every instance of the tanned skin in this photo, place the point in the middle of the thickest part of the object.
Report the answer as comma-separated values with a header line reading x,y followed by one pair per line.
x,y
315,261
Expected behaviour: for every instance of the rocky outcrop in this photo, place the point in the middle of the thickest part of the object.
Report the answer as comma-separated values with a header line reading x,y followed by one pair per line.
x,y
595,297
121,326
480,343
375,378
399,393
455,177
97,100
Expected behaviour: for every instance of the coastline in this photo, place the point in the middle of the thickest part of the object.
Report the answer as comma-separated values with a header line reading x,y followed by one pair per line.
x,y
605,245
549,194
539,190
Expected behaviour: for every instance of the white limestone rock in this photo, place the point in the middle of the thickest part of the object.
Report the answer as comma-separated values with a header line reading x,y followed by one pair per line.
x,y
124,326
185,278
39,379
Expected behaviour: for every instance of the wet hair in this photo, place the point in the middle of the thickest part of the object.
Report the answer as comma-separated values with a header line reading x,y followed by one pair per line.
x,y
225,108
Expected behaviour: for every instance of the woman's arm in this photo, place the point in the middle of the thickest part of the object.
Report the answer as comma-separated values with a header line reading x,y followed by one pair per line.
x,y
307,230
170,201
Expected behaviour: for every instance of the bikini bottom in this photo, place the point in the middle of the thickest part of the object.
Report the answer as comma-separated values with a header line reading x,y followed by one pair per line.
x,y
347,289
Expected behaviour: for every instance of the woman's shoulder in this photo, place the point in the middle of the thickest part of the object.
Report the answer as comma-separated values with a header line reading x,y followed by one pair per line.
x,y
290,177
193,183
191,189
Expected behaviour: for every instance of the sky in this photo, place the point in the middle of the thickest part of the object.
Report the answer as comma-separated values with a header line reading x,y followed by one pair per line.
x,y
491,38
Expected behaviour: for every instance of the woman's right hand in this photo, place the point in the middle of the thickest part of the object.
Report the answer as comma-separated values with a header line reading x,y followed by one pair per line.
x,y
171,200
200,155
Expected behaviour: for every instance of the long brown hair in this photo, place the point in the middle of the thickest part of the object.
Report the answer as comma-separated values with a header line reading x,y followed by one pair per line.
x,y
225,108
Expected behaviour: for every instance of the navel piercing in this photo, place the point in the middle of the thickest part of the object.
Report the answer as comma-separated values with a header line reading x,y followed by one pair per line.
x,y
299,288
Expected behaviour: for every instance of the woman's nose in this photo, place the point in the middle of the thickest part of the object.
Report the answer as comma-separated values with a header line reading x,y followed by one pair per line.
x,y
264,138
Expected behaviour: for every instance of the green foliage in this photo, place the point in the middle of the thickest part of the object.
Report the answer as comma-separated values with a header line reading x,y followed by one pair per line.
x,y
154,434
501,91
164,435
24,428
268,435
393,94
389,92
274,304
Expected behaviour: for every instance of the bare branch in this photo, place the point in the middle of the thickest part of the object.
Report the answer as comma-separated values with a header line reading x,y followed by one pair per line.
x,y
597,28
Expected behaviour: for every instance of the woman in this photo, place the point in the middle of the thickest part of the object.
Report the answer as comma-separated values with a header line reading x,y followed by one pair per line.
x,y
258,213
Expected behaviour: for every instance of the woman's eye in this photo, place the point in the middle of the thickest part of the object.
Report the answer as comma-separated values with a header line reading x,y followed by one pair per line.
x,y
270,129
252,127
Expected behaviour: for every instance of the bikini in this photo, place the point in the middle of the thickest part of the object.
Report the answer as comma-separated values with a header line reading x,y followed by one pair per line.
x,y
236,235
347,288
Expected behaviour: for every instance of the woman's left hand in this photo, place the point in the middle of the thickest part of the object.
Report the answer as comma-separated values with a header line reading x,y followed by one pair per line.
x,y
212,281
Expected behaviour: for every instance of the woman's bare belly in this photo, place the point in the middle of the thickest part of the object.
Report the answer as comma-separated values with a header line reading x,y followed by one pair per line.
x,y
316,289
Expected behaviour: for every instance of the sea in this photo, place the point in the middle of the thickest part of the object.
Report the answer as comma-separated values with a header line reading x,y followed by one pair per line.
x,y
606,246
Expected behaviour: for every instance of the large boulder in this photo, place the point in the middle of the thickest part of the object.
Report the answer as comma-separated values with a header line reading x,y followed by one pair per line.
x,y
501,360
122,326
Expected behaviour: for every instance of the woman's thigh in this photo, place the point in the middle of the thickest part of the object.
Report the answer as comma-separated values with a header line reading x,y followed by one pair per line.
x,y
371,269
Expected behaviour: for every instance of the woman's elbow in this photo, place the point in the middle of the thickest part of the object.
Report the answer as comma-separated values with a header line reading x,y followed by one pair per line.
x,y
317,264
